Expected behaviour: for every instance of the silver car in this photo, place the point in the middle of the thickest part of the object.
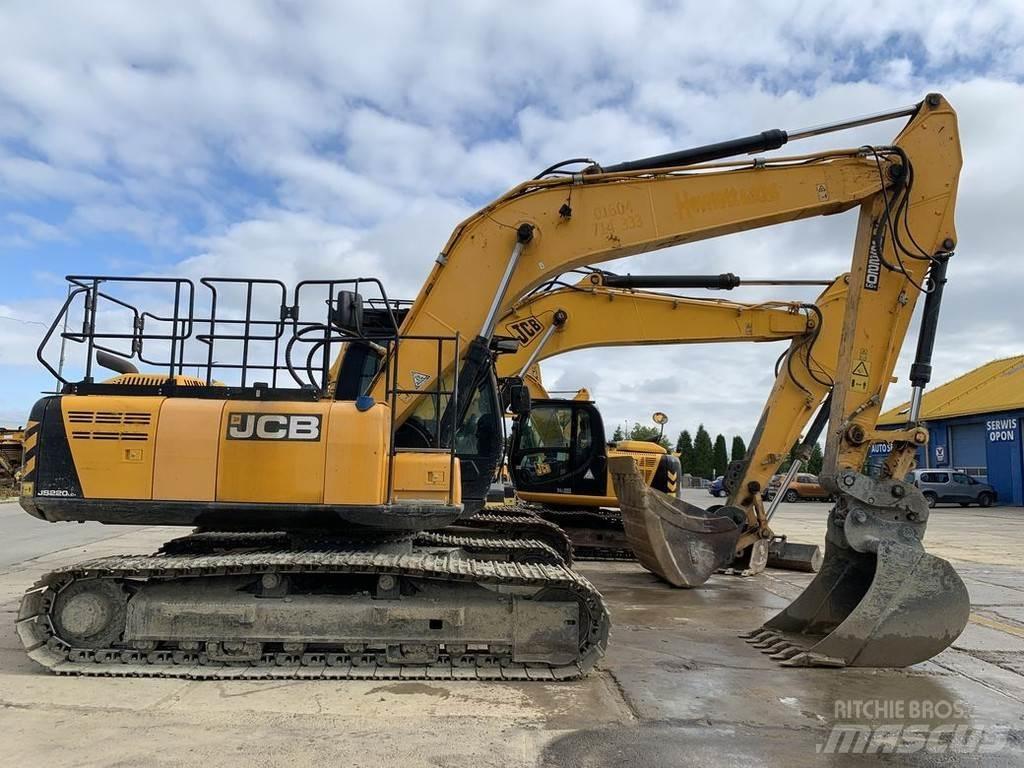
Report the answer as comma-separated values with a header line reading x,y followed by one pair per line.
x,y
948,485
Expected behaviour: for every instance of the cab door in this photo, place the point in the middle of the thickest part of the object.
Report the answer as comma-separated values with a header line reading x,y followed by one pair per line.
x,y
559,449
591,459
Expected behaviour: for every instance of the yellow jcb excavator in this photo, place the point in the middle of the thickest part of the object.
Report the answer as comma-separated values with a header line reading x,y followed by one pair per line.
x,y
326,551
558,458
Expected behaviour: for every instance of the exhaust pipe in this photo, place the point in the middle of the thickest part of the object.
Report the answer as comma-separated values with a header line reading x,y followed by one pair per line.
x,y
115,363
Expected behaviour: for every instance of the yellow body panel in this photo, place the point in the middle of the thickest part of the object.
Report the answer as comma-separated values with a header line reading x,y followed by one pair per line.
x,y
569,499
186,450
257,452
425,477
638,446
271,470
357,455
112,442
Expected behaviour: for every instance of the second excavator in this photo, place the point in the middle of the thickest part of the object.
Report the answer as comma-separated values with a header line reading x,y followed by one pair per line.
x,y
327,506
562,473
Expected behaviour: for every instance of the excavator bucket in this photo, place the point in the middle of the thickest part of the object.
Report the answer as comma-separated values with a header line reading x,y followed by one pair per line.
x,y
879,599
680,542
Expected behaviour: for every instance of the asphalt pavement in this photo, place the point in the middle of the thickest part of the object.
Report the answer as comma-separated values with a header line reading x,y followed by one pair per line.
x,y
23,537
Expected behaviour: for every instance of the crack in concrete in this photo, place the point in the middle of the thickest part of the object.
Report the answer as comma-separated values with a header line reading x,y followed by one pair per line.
x,y
617,687
158,704
956,670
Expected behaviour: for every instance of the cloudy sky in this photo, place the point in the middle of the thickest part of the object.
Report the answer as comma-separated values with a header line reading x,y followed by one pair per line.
x,y
334,139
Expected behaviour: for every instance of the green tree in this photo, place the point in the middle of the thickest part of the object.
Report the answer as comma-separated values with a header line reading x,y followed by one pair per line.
x,y
619,434
648,435
816,461
703,454
721,456
739,449
684,447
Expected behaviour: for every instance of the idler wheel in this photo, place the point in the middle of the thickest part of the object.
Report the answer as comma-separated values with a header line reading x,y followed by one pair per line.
x,y
90,613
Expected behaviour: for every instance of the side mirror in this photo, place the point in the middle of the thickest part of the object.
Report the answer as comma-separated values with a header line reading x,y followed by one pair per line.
x,y
515,397
504,345
347,313
519,400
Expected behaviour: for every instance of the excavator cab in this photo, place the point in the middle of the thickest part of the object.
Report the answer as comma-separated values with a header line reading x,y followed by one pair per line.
x,y
558,450
559,457
559,464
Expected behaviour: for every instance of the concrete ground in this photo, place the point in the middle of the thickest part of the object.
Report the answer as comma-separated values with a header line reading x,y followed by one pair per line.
x,y
677,686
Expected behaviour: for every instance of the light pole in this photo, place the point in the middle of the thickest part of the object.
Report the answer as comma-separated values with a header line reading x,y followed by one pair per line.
x,y
661,420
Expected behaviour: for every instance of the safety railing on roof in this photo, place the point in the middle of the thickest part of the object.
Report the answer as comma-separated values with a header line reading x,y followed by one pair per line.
x,y
254,333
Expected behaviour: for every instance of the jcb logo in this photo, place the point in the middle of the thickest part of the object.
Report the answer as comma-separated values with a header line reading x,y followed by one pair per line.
x,y
525,330
274,426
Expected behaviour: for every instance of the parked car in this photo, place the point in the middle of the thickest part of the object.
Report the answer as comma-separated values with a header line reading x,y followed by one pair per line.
x,y
717,487
948,485
804,487
771,487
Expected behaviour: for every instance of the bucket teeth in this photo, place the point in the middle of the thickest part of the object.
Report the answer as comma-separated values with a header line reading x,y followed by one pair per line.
x,y
788,653
808,659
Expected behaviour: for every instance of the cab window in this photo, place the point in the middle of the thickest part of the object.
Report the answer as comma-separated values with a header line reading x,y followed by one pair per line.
x,y
544,447
584,437
478,432
477,435
548,428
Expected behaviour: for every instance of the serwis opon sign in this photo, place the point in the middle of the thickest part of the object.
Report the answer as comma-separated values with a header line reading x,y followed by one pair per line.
x,y
1001,430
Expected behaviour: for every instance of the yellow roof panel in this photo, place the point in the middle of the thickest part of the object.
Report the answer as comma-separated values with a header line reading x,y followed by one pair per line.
x,y
995,386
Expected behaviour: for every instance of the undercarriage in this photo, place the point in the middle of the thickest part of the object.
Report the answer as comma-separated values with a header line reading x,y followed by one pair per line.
x,y
251,605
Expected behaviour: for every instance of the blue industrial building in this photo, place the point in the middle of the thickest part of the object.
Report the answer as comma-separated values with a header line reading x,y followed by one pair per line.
x,y
975,426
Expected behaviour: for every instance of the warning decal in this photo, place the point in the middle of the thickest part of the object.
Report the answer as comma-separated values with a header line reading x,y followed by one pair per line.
x,y
419,379
859,376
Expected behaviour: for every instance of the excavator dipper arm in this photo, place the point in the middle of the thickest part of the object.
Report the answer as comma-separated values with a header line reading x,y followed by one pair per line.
x,y
590,314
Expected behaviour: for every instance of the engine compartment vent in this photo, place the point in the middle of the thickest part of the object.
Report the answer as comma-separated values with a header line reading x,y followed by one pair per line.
x,y
154,380
109,417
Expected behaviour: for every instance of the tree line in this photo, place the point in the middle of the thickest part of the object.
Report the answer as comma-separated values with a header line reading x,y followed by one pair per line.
x,y
702,457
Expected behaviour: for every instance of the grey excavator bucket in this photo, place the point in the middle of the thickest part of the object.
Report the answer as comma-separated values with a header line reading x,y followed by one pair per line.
x,y
879,599
680,542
